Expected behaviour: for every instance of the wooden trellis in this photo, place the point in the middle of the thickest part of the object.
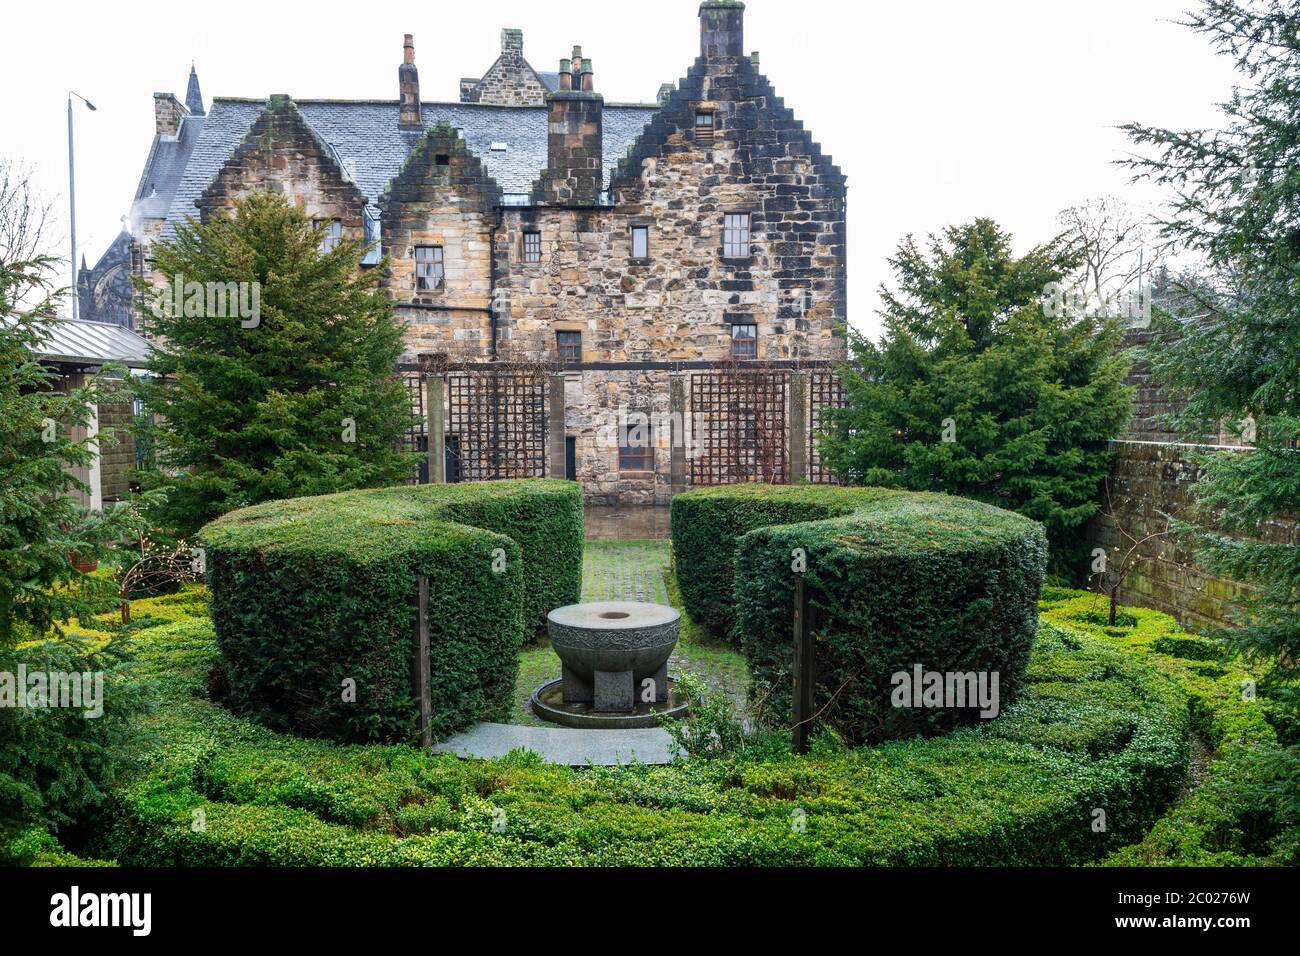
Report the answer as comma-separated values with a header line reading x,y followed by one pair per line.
x,y
825,390
741,411
417,436
496,422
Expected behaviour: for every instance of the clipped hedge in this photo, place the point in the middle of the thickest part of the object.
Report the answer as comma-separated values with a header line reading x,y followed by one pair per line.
x,y
895,579
1091,730
310,593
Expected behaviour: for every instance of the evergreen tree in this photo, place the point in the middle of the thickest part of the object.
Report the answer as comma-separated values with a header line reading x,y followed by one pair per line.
x,y
274,363
43,529
1233,347
981,388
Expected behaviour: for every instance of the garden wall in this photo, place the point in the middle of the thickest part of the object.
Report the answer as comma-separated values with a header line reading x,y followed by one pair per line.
x,y
1152,476
1148,481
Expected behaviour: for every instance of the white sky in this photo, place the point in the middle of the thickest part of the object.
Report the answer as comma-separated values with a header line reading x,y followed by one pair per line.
x,y
937,110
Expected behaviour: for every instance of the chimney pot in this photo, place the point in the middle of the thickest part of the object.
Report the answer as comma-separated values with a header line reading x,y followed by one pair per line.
x,y
408,86
566,75
722,29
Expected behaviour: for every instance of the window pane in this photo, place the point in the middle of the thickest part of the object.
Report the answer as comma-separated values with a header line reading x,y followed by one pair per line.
x,y
640,242
744,340
532,247
639,456
331,235
570,346
429,272
735,236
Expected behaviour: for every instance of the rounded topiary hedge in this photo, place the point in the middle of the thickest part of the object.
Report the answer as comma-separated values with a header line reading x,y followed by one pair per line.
x,y
312,596
895,579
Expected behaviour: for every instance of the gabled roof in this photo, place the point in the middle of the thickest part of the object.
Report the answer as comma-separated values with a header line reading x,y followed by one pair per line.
x,y
80,342
163,171
368,143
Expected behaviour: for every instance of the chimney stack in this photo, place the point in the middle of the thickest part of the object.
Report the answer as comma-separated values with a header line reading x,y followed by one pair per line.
x,y
512,41
722,29
408,87
167,113
575,169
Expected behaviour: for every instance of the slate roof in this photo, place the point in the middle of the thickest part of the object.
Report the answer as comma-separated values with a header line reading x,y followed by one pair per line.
x,y
371,148
79,342
163,171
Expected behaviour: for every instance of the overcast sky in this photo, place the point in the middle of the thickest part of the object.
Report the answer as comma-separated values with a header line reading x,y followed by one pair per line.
x,y
937,110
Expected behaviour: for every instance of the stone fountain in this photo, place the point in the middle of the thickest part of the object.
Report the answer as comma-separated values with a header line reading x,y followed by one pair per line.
x,y
614,656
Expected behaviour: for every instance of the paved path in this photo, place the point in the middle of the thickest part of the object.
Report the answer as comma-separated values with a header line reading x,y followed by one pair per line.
x,y
562,745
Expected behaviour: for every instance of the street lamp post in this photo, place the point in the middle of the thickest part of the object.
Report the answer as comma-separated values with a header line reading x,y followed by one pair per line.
x,y
72,200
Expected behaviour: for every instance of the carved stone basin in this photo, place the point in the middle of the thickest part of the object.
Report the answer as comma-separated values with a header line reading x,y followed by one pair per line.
x,y
610,649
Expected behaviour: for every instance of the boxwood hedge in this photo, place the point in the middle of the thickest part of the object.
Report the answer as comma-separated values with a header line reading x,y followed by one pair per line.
x,y
312,601
1091,730
895,579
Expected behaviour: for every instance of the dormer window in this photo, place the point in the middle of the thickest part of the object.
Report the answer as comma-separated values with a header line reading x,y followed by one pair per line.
x,y
429,275
331,233
704,126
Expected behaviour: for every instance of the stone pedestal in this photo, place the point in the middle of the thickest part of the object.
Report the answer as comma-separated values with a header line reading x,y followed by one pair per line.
x,y
610,649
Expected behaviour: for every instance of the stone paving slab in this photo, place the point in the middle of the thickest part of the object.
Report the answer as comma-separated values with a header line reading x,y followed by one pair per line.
x,y
562,745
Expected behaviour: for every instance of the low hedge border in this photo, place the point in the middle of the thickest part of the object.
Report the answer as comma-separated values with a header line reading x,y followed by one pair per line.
x,y
1238,814
313,593
1092,730
895,580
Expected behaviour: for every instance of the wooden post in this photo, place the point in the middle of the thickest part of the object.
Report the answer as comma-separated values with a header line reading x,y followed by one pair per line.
x,y
433,410
555,426
420,666
804,671
798,451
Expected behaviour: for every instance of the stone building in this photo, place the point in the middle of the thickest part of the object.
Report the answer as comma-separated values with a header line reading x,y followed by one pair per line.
x,y
627,249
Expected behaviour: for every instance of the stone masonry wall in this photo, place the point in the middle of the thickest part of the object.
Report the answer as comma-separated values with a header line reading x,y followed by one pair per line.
x,y
1148,481
443,198
281,153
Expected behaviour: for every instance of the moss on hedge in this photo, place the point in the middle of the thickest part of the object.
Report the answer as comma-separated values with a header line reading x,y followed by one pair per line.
x,y
1091,730
895,579
313,596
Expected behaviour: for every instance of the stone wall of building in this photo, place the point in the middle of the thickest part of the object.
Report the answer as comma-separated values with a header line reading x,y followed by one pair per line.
x,y
117,456
442,198
281,153
510,81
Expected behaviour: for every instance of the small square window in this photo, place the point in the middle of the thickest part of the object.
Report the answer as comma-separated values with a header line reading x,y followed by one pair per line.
x,y
744,340
331,233
569,345
636,450
640,242
735,236
532,247
429,275
442,159
704,126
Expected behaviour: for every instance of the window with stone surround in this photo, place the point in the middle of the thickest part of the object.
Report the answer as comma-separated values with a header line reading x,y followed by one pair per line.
x,y
429,275
569,345
735,235
636,449
704,126
744,340
331,233
640,242
532,247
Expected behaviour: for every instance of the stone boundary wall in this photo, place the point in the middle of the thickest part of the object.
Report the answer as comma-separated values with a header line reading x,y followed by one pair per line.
x,y
1150,480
